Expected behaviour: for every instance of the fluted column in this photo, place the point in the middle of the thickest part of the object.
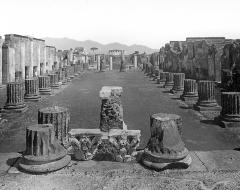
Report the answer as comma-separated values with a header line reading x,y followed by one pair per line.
x,y
44,85
110,63
178,83
161,78
32,89
230,114
59,117
206,97
190,92
15,97
169,80
54,83
135,61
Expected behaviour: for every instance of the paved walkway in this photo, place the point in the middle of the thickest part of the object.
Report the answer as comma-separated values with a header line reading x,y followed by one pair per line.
x,y
141,97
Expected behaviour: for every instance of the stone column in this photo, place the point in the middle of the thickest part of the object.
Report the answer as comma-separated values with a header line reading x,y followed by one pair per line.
x,y
71,71
178,83
32,89
43,152
135,61
230,114
65,75
54,83
165,147
22,58
59,117
60,75
110,63
38,59
111,116
161,79
15,97
206,97
1,43
190,92
31,60
11,64
102,65
98,62
75,68
169,80
123,67
45,60
44,85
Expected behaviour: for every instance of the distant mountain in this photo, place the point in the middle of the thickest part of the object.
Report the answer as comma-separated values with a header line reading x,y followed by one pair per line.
x,y
66,43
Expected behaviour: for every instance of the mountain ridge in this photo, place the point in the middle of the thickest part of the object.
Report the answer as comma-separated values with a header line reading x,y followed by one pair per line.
x,y
67,43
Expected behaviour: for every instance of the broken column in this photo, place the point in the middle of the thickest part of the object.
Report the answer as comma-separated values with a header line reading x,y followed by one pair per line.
x,y
165,148
59,117
111,116
15,97
71,71
43,152
178,83
65,75
60,75
206,97
75,68
98,61
1,67
169,80
54,83
161,79
110,63
135,61
102,65
230,114
32,89
44,85
190,92
123,66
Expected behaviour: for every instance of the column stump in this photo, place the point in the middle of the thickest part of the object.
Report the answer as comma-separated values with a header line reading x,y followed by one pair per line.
x,y
111,115
230,114
43,152
190,93
59,117
161,79
44,85
206,97
65,76
54,83
178,83
165,149
32,89
75,67
169,80
15,98
71,71
60,75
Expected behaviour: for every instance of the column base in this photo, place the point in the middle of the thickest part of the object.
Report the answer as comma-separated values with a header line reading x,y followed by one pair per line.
x,y
184,163
71,77
210,107
168,85
18,108
187,98
46,167
225,123
45,91
32,97
176,91
55,86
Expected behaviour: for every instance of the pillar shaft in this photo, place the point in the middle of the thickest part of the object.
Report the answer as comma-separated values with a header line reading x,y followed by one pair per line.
x,y
1,43
169,80
32,88
44,84
178,80
190,87
54,80
110,63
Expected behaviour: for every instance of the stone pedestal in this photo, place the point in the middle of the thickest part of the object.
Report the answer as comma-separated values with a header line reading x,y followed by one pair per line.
x,y
190,92
59,117
206,97
165,149
230,114
169,80
43,152
32,89
111,116
54,83
178,83
44,85
15,97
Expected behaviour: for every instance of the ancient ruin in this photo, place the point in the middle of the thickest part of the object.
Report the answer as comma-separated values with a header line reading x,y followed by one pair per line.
x,y
190,93
32,89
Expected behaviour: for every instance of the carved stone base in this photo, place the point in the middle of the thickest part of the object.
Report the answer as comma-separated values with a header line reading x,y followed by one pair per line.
x,y
45,91
184,163
178,92
189,98
47,167
18,108
207,108
168,85
55,86
227,124
34,97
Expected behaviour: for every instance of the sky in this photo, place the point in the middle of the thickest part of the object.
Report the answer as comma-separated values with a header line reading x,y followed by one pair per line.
x,y
147,22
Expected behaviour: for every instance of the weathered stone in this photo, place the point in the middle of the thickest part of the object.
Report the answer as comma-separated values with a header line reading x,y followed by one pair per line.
x,y
169,80
178,80
206,97
230,114
59,117
43,152
54,83
32,89
15,97
161,79
65,74
102,65
44,85
165,148
190,92
111,116
85,142
123,66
